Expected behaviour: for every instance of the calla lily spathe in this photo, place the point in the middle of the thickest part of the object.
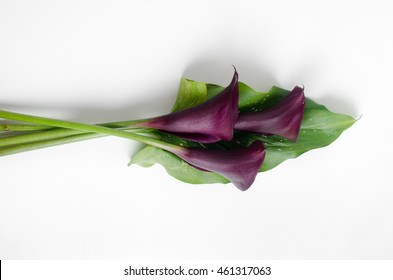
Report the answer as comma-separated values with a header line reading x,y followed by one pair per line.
x,y
283,119
209,122
240,165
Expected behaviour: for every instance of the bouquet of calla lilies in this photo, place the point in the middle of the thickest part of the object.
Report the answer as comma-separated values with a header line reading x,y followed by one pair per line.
x,y
212,135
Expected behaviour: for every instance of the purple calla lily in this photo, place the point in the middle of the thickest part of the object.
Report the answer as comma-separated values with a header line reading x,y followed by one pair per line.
x,y
209,122
283,119
240,166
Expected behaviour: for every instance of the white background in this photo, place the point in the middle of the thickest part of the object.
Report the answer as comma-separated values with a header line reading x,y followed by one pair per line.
x,y
96,61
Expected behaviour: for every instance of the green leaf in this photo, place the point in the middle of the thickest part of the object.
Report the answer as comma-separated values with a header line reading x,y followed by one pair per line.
x,y
250,99
319,128
190,94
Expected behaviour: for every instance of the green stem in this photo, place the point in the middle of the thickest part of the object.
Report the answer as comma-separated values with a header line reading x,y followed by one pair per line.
x,y
49,135
24,147
22,127
48,143
88,128
59,133
38,136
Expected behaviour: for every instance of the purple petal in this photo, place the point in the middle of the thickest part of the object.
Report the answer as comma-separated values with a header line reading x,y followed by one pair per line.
x,y
209,122
283,119
239,166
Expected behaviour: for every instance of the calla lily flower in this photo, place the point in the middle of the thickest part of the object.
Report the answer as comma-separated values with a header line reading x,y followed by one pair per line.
x,y
240,166
209,122
283,119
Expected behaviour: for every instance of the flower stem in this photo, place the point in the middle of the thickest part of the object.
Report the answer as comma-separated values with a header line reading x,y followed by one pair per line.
x,y
53,132
50,134
29,146
4,151
88,128
4,127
